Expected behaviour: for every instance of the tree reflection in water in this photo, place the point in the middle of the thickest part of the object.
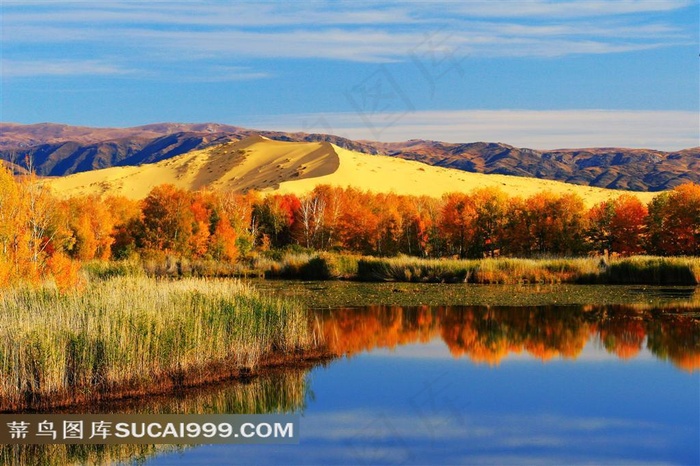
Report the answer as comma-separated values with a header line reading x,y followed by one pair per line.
x,y
484,334
489,334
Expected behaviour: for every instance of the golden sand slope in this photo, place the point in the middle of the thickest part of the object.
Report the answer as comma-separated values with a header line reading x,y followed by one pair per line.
x,y
253,163
296,167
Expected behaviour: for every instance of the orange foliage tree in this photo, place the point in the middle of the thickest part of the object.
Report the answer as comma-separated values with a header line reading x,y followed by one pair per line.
x,y
39,235
618,226
674,222
457,222
491,205
92,226
627,225
126,215
546,223
276,217
33,232
358,224
167,221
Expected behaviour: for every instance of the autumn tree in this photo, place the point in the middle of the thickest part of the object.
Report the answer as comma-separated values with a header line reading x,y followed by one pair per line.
x,y
92,226
490,211
222,243
14,250
422,218
239,210
545,223
276,216
311,219
599,232
515,237
201,206
674,221
126,217
627,225
391,223
33,232
358,224
457,222
41,220
332,200
167,221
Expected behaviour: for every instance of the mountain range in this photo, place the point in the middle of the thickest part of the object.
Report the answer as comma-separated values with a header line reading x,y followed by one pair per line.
x,y
59,150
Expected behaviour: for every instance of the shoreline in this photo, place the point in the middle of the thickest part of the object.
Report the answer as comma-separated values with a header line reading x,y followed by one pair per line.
x,y
321,265
206,377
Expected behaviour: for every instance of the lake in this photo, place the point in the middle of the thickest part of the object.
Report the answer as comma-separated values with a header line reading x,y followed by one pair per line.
x,y
472,375
557,384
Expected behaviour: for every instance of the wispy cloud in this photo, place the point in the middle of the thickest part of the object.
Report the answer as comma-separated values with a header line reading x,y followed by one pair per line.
x,y
219,73
189,72
538,129
568,8
361,32
15,69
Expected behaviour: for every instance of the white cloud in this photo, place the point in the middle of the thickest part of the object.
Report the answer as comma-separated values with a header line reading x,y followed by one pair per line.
x,y
15,69
363,32
568,9
71,68
538,129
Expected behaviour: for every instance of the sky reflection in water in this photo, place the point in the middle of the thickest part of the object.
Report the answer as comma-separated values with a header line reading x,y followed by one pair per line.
x,y
456,385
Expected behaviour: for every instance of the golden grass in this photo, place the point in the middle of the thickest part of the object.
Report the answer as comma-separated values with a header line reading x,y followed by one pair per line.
x,y
483,271
653,270
131,335
646,270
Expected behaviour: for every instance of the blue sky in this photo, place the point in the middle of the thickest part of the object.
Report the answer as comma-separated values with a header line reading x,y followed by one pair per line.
x,y
538,73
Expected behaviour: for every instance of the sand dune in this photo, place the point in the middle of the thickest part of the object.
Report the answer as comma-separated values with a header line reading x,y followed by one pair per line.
x,y
253,163
297,167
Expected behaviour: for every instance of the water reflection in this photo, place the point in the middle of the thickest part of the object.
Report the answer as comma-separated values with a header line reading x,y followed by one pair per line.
x,y
279,391
378,404
490,334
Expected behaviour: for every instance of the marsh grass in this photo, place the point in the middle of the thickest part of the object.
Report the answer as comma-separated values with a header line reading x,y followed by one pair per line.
x,y
310,266
103,270
634,270
181,267
483,271
648,270
134,335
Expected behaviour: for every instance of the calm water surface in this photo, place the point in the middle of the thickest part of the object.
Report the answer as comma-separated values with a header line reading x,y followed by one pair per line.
x,y
614,384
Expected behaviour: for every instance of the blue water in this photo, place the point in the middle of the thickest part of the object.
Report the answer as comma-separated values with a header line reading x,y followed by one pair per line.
x,y
418,404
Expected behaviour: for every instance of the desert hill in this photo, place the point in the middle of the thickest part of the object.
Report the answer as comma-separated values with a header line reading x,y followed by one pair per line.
x,y
57,150
253,163
297,167
614,168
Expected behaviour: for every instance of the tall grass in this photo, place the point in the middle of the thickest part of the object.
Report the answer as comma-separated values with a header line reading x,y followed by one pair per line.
x,y
132,335
309,266
645,270
484,271
634,270
648,270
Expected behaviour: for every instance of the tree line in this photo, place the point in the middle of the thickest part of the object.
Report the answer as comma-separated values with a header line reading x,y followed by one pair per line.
x,y
41,234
